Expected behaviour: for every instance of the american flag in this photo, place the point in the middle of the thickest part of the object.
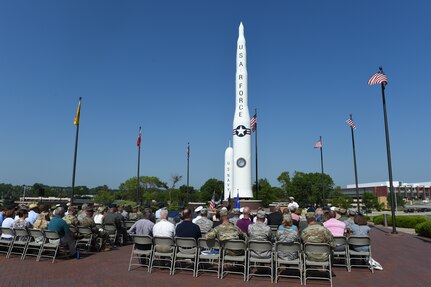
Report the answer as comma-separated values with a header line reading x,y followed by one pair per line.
x,y
378,78
253,123
213,203
138,142
351,123
318,144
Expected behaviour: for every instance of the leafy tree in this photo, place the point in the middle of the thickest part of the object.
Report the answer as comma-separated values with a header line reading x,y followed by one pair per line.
x,y
307,188
369,200
211,186
104,197
148,184
286,183
175,179
267,193
340,200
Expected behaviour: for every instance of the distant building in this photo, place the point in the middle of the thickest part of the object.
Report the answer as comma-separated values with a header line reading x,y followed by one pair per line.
x,y
408,191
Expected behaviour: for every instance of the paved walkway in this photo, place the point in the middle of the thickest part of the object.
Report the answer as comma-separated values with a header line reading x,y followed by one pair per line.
x,y
406,260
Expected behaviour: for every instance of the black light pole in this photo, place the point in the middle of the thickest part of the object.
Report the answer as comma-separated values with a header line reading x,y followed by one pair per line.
x,y
139,162
76,123
352,127
188,171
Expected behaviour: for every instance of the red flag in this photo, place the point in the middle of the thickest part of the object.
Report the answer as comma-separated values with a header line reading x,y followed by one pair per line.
x,y
138,142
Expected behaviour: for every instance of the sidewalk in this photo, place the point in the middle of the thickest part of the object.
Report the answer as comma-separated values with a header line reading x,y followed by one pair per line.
x,y
405,259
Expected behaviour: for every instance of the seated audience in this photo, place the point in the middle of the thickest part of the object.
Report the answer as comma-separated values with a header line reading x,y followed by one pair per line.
x,y
58,224
316,233
204,223
337,227
289,235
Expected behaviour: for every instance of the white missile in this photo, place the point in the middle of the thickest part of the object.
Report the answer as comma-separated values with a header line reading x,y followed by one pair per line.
x,y
228,172
241,125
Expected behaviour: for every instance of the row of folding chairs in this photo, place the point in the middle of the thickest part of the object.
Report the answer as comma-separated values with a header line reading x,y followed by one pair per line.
x,y
30,242
346,255
252,258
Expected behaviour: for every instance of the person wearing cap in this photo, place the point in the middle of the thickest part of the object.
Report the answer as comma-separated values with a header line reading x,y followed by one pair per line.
x,y
236,214
33,214
204,223
245,221
71,217
198,212
316,233
81,213
187,228
259,230
292,203
88,221
226,231
337,227
114,218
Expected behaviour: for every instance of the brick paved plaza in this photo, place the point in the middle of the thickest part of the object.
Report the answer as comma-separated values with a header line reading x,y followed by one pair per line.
x,y
406,260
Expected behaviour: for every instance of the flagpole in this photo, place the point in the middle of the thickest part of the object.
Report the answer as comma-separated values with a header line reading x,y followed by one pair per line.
x,y
255,146
139,162
388,150
188,171
354,163
321,163
78,114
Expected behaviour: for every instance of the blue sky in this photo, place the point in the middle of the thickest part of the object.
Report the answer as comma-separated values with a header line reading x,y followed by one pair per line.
x,y
169,66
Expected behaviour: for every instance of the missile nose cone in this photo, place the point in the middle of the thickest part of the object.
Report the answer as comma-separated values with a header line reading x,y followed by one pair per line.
x,y
241,29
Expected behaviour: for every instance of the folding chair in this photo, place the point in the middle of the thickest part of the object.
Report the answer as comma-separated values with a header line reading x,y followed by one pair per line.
x,y
359,256
209,252
36,241
185,253
51,245
112,231
341,252
259,254
282,261
311,266
19,243
235,246
143,256
85,238
6,243
164,252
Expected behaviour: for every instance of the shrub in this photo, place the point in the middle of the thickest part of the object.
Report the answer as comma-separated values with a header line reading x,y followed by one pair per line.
x,y
401,221
424,229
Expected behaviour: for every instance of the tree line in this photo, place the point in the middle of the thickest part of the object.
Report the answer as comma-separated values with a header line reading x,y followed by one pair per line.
x,y
308,189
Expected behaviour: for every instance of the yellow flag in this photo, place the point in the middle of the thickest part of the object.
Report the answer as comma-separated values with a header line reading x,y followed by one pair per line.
x,y
78,113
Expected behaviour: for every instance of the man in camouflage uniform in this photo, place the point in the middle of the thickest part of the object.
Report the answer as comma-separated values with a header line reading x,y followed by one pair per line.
x,y
71,218
236,214
260,231
226,231
204,223
99,236
316,233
